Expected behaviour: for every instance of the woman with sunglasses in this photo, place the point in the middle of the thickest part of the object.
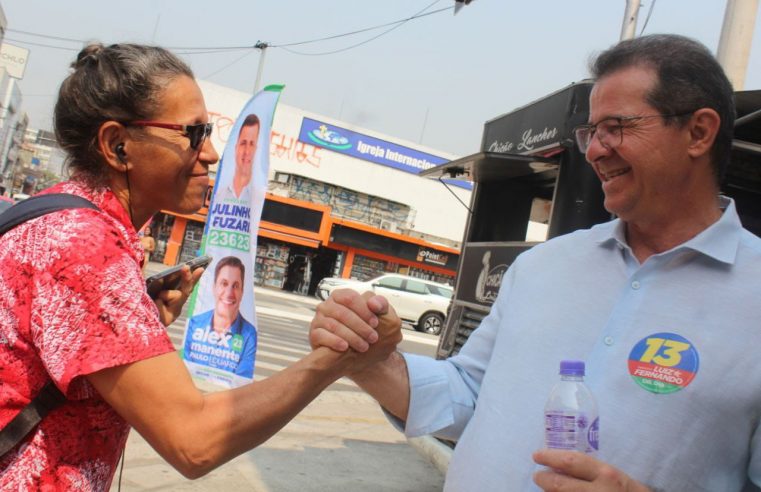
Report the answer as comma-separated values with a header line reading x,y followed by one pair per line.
x,y
74,310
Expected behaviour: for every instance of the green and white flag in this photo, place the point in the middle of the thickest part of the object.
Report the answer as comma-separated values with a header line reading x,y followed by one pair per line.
x,y
221,334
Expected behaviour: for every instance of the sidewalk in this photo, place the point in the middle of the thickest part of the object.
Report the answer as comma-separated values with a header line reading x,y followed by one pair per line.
x,y
340,442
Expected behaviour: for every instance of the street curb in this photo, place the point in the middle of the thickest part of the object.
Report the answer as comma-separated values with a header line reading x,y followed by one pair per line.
x,y
433,450
287,295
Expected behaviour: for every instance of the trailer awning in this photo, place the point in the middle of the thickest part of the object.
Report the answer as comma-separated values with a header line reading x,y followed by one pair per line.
x,y
490,166
747,135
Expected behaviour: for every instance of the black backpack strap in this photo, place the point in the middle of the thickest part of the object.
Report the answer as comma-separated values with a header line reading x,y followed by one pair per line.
x,y
27,419
40,205
50,397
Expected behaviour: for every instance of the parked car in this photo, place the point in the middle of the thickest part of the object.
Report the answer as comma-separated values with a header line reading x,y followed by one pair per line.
x,y
5,203
419,302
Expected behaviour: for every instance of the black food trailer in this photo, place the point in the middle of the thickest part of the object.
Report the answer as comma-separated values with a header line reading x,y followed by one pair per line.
x,y
530,168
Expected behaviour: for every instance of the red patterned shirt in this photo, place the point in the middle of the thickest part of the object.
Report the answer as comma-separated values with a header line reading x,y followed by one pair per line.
x,y
72,302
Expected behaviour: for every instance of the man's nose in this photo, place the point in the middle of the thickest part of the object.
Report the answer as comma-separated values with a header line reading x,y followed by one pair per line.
x,y
596,149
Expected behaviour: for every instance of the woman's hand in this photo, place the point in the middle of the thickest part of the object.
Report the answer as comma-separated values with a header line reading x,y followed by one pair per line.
x,y
170,302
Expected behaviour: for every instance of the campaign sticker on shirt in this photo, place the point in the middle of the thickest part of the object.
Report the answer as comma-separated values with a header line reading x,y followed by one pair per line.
x,y
663,363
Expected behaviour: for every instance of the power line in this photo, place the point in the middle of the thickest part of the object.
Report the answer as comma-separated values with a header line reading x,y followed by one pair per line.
x,y
189,50
649,12
394,25
212,49
415,16
42,45
199,50
228,65
57,38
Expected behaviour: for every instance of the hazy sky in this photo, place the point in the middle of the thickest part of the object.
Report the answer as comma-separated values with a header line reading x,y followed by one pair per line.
x,y
433,80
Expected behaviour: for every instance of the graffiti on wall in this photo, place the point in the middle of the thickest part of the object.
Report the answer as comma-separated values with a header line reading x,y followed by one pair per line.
x,y
285,147
281,146
347,204
222,125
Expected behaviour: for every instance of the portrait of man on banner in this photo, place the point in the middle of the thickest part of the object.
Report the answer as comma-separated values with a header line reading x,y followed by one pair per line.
x,y
221,335
222,338
239,188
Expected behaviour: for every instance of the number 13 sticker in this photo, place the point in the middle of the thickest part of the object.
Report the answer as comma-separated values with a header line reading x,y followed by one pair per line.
x,y
663,363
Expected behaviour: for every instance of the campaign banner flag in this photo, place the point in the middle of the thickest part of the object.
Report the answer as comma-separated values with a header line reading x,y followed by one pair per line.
x,y
221,332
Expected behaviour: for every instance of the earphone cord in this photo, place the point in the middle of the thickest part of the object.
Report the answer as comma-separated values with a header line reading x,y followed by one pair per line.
x,y
121,468
129,195
129,207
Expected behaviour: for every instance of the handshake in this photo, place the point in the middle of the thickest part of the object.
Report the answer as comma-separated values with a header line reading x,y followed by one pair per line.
x,y
362,332
364,328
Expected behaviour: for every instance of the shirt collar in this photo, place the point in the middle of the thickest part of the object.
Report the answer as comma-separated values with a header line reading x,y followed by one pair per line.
x,y
236,328
719,241
245,194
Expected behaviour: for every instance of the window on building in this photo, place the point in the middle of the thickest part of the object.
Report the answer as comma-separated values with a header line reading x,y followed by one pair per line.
x,y
349,204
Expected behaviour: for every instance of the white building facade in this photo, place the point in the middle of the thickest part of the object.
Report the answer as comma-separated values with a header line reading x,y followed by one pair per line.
x,y
414,206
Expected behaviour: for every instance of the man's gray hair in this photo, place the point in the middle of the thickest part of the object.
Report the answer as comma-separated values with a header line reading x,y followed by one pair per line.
x,y
689,78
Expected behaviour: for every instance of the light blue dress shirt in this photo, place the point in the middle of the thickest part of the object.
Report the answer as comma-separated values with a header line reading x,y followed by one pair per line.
x,y
693,313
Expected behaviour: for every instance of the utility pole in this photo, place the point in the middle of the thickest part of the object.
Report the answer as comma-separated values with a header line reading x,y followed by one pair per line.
x,y
736,38
629,26
262,47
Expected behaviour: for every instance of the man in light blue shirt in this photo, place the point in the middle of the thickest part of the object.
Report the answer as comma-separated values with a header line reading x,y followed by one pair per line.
x,y
662,304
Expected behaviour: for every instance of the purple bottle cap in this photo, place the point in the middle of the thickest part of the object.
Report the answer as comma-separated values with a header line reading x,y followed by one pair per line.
x,y
572,367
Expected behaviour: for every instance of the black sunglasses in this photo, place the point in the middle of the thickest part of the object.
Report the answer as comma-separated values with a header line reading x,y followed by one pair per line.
x,y
196,133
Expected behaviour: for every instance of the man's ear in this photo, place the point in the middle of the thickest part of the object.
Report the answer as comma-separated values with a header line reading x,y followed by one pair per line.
x,y
112,145
704,126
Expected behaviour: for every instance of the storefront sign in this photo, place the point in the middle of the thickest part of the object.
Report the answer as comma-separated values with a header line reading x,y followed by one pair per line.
x,y
13,59
369,148
541,125
390,246
426,255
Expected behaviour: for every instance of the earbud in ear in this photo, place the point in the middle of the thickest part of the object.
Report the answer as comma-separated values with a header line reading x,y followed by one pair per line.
x,y
120,153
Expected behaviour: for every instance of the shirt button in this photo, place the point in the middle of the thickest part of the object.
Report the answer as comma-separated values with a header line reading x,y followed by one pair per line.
x,y
635,285
608,340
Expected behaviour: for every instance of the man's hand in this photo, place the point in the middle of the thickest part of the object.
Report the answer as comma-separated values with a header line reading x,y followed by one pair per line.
x,y
366,323
346,320
574,471
170,302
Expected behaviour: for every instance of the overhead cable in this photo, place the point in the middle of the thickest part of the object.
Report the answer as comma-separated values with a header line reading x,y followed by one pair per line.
x,y
394,25
199,50
359,31
649,12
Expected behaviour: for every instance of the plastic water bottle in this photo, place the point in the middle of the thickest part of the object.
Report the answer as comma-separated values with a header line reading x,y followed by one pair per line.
x,y
571,420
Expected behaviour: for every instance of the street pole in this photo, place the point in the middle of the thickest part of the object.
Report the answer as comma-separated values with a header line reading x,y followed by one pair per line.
x,y
629,26
262,47
736,39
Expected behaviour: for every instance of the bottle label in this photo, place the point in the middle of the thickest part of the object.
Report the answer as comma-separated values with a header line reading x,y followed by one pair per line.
x,y
572,431
593,435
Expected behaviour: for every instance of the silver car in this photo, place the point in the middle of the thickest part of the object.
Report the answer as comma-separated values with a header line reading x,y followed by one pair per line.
x,y
419,302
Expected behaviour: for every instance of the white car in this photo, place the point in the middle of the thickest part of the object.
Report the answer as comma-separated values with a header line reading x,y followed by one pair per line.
x,y
421,303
